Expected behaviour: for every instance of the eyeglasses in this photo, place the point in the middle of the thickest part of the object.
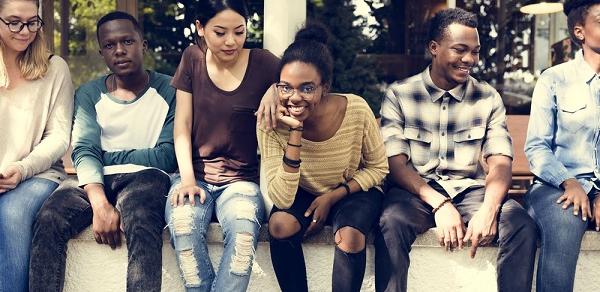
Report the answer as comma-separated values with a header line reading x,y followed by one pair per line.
x,y
305,90
16,26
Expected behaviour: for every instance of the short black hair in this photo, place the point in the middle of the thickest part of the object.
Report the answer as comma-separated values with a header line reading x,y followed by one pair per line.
x,y
116,15
577,11
310,47
440,21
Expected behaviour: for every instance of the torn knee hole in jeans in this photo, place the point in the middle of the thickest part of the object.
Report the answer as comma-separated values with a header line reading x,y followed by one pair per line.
x,y
245,210
182,220
241,261
189,268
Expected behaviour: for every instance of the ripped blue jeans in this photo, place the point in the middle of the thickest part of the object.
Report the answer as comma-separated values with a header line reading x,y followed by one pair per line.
x,y
240,210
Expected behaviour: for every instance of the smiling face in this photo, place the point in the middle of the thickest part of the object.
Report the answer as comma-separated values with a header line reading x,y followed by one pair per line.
x,y
454,56
122,47
300,89
224,34
13,11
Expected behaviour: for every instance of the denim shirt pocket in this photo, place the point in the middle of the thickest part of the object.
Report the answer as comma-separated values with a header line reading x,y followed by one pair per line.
x,y
572,115
467,145
419,140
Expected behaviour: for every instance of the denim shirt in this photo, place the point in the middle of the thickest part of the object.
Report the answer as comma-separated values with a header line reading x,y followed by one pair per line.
x,y
562,137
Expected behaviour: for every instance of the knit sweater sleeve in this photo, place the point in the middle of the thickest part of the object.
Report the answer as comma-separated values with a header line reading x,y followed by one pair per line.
x,y
374,164
281,185
57,131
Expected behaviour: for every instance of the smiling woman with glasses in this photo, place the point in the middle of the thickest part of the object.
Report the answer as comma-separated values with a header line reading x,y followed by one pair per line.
x,y
324,164
36,104
16,25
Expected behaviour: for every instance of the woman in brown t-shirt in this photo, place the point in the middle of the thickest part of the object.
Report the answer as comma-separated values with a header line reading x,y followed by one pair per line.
x,y
219,87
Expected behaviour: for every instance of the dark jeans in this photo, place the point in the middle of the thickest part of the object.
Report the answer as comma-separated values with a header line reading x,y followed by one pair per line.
x,y
560,236
405,216
140,199
359,211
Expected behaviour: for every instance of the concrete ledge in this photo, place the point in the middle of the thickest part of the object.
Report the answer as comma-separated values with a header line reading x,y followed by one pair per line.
x,y
95,268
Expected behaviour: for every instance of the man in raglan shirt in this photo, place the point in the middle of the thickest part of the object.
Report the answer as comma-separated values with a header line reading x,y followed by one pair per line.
x,y
122,151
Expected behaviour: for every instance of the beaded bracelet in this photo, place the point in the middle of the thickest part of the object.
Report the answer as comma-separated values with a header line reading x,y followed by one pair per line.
x,y
448,200
291,162
295,145
300,129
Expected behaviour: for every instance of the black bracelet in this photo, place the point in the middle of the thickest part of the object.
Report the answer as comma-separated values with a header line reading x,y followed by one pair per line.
x,y
295,145
291,162
346,187
300,129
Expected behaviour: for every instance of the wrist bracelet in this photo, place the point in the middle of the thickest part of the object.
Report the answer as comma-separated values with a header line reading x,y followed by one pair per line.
x,y
299,129
295,145
448,200
291,162
346,187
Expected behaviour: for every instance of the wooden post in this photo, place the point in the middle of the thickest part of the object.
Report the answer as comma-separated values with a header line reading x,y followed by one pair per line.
x,y
65,12
47,11
129,6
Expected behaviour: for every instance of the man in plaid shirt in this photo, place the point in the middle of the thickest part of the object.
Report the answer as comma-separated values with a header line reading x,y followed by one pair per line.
x,y
436,126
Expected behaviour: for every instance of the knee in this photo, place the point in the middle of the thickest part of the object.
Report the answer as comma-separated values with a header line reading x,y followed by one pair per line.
x,y
247,210
283,225
350,239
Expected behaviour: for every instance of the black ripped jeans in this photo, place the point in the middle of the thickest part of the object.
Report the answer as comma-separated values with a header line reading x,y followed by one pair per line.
x,y
359,211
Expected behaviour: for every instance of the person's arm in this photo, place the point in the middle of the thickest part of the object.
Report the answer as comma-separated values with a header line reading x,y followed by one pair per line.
x,y
87,159
282,180
374,163
540,136
448,220
483,227
538,149
183,150
161,156
57,131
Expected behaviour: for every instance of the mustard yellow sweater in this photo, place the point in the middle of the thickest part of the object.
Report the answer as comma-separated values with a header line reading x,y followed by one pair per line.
x,y
356,152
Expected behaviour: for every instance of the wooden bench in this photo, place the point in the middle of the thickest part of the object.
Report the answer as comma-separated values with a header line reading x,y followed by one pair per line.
x,y
521,175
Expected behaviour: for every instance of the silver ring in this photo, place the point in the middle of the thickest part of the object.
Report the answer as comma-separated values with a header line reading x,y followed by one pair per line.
x,y
314,220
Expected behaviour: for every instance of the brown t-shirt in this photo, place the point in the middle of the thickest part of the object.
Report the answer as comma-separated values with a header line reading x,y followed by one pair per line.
x,y
223,125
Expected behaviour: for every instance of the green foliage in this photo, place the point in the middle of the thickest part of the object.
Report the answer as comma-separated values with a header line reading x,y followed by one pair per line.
x,y
354,72
84,60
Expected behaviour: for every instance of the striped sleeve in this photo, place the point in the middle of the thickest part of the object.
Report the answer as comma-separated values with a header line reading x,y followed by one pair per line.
x,y
281,185
374,160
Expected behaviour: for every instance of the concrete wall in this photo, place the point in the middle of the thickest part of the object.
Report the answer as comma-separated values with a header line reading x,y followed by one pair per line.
x,y
97,268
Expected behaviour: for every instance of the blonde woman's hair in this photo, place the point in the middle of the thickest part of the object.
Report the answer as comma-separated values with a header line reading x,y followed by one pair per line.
x,y
33,62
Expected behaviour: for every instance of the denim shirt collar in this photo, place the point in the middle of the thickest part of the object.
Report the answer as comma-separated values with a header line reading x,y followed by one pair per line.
x,y
436,93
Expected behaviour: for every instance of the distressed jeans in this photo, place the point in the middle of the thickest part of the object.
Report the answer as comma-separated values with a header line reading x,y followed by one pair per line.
x,y
239,208
139,197
17,213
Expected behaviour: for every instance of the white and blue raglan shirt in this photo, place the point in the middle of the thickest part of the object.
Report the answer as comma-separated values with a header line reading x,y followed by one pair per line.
x,y
112,136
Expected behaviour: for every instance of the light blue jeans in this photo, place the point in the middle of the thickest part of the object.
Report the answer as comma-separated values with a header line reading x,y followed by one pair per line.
x,y
560,234
18,208
240,210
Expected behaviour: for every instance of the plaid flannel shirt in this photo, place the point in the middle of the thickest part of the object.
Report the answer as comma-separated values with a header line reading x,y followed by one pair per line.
x,y
445,133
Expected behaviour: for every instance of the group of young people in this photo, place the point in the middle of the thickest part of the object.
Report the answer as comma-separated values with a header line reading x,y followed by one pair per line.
x,y
151,150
